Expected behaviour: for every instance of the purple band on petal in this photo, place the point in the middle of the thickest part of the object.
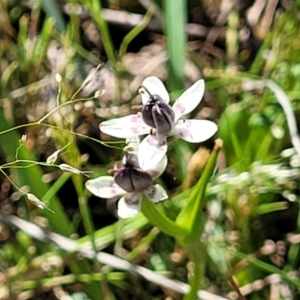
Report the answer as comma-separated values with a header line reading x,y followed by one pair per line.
x,y
179,108
185,131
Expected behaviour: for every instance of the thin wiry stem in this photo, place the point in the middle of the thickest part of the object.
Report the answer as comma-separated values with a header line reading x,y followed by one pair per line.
x,y
108,144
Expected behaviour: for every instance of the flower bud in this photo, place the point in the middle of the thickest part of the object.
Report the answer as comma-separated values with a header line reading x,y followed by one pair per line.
x,y
23,139
58,77
53,157
132,180
158,114
35,201
68,168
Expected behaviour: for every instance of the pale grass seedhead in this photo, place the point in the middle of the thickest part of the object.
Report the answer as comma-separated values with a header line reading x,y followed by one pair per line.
x,y
23,139
68,168
58,78
53,157
35,201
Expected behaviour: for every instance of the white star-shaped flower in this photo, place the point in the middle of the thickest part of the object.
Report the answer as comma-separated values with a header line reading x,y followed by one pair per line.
x,y
131,183
161,120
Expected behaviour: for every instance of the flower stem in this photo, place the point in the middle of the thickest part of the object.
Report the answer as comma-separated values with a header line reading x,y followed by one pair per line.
x,y
196,255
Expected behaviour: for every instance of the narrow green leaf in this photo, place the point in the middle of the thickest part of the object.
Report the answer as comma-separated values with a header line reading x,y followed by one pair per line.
x,y
175,22
268,268
270,207
134,32
95,9
190,215
52,10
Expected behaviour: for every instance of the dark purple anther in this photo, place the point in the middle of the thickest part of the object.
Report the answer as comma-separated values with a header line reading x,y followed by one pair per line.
x,y
157,114
132,180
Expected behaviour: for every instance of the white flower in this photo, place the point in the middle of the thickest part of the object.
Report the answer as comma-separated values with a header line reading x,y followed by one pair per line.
x,y
165,120
131,182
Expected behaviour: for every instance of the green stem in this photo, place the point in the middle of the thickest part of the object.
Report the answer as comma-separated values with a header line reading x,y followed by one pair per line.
x,y
62,105
11,182
95,10
134,32
196,255
175,16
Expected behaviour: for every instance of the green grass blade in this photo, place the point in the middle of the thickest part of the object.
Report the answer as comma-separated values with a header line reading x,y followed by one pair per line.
x,y
190,215
175,21
268,268
52,10
95,9
33,178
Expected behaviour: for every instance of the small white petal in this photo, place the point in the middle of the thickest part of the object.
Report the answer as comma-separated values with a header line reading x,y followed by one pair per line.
x,y
155,87
151,151
125,127
104,187
159,168
195,131
127,209
156,193
189,100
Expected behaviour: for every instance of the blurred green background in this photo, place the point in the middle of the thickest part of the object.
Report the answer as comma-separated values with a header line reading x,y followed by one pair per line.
x,y
248,54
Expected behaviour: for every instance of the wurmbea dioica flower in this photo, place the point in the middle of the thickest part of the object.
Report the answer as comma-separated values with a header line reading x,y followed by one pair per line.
x,y
131,181
160,120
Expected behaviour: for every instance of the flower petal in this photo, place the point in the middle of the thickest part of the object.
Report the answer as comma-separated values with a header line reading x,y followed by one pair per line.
x,y
189,100
151,151
195,131
155,87
156,193
104,187
129,205
125,127
156,170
